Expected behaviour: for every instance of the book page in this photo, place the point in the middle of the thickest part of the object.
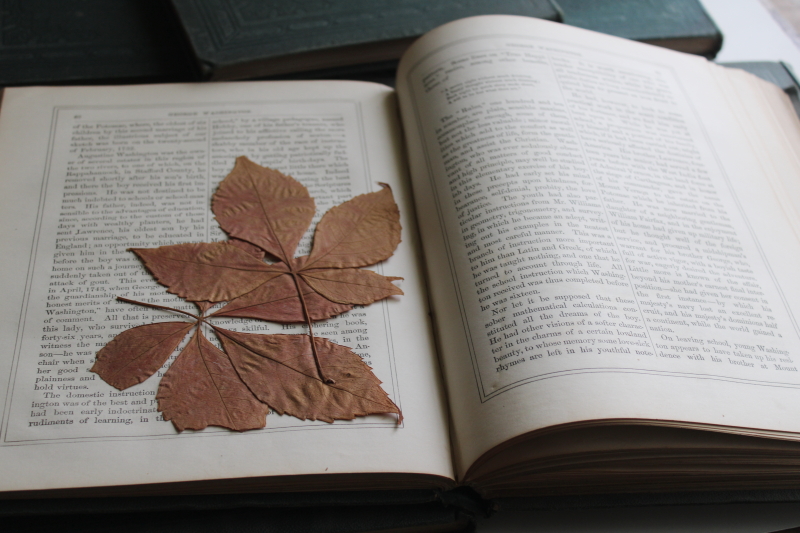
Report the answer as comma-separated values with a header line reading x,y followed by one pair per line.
x,y
89,173
602,237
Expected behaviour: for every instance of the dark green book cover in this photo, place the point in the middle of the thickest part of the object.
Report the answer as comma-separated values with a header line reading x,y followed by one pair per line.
x,y
681,25
235,39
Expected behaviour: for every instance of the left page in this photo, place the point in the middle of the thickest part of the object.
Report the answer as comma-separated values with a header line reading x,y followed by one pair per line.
x,y
89,173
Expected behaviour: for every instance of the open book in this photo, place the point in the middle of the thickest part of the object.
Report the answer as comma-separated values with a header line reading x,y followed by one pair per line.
x,y
599,257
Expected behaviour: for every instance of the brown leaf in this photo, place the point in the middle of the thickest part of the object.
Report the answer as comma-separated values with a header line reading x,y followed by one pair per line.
x,y
277,300
281,372
135,354
357,233
264,211
207,271
264,207
351,285
201,389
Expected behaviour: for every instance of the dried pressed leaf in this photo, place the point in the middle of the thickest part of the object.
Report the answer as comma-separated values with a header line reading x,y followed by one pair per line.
x,y
357,233
207,271
264,207
351,285
135,354
201,389
281,372
277,300
264,211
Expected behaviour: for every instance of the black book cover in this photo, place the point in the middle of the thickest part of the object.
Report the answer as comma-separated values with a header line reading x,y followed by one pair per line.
x,y
91,41
344,512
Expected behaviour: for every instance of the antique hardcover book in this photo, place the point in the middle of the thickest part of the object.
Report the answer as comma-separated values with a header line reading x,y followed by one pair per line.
x,y
599,257
681,25
240,39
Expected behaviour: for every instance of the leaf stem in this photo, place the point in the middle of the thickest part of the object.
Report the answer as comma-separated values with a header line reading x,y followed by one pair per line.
x,y
154,306
307,316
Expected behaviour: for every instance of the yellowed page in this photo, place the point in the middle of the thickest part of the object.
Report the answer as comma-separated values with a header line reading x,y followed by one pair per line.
x,y
601,235
768,118
90,172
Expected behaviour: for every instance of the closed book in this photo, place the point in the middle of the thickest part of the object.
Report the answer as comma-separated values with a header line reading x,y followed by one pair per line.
x,y
238,39
681,25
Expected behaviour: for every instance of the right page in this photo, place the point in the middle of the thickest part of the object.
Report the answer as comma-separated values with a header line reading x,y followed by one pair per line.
x,y
610,231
